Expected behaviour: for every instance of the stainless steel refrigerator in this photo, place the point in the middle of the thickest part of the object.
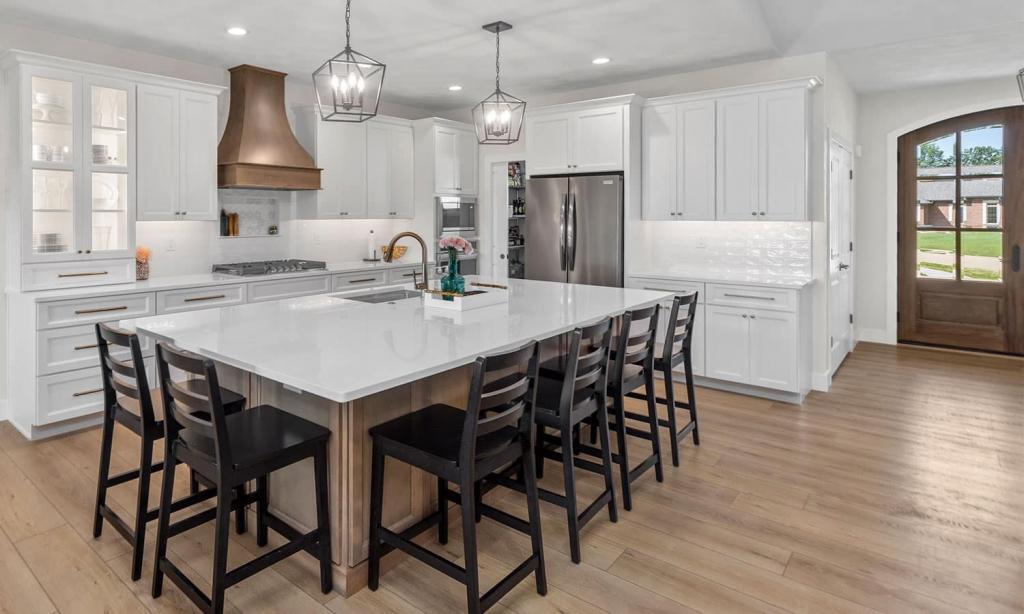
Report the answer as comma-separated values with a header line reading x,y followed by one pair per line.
x,y
574,229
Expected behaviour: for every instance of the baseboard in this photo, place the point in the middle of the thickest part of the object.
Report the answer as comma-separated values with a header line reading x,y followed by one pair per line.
x,y
3,410
821,381
754,391
873,335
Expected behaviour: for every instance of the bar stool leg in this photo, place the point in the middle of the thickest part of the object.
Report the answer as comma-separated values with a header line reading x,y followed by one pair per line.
x,y
620,436
193,483
652,412
533,511
469,509
323,519
442,510
538,451
106,444
606,459
142,506
220,550
568,436
262,502
691,399
670,408
163,520
376,502
240,510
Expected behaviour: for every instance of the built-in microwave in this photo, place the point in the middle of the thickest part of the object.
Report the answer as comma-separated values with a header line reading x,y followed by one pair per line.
x,y
456,214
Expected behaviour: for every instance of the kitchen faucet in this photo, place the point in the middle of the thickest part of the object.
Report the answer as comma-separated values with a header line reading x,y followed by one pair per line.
x,y
388,257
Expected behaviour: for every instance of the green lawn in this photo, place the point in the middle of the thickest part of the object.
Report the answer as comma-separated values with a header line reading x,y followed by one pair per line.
x,y
974,243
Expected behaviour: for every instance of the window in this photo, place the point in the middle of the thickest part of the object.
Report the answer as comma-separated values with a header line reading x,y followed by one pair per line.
x,y
992,214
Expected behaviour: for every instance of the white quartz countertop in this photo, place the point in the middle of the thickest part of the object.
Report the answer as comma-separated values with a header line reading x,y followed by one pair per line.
x,y
210,279
731,277
344,350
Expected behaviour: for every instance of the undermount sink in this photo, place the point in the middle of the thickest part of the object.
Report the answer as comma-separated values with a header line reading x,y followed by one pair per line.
x,y
385,296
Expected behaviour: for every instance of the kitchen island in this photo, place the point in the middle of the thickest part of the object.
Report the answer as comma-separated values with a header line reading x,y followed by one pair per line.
x,y
351,365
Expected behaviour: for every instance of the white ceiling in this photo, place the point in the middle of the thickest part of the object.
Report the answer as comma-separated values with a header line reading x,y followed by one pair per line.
x,y
429,44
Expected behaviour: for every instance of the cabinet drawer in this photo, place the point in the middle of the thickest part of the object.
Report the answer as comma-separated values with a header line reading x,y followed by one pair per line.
x,y
368,279
287,288
97,309
49,275
191,299
669,285
72,395
780,299
403,276
67,349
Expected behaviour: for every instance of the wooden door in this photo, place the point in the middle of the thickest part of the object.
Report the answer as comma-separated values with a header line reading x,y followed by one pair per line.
x,y
961,221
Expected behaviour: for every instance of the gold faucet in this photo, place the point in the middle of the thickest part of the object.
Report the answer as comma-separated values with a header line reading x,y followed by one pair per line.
x,y
423,252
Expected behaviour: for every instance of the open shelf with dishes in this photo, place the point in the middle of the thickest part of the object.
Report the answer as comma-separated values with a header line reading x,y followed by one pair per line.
x,y
517,219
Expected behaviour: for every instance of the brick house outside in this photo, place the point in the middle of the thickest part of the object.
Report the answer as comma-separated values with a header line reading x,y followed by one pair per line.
x,y
981,198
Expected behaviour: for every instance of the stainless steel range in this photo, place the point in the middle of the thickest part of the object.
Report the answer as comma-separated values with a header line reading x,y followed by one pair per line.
x,y
267,267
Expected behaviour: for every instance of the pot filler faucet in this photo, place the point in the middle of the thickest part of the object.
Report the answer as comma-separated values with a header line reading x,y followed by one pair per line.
x,y
423,252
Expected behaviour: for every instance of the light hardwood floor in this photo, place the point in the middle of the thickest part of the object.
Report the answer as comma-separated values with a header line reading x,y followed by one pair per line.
x,y
901,490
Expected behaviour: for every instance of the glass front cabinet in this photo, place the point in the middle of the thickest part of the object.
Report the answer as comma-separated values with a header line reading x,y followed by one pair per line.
x,y
77,144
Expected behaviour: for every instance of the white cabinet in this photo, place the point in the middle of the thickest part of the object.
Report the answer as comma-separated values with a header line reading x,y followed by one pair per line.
x,y
583,140
697,348
277,289
679,161
728,344
177,154
773,349
762,156
390,170
452,155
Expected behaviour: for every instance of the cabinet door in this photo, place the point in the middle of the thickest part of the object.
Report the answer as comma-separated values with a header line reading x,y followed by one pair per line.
x,y
728,344
782,119
445,160
547,144
737,186
660,162
699,347
773,350
157,156
696,161
109,227
341,151
402,171
378,172
198,151
597,140
466,156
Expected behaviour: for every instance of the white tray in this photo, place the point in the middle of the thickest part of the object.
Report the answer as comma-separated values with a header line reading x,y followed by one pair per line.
x,y
480,298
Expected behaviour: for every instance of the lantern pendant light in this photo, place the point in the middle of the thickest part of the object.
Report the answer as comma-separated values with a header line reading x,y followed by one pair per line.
x,y
498,119
348,85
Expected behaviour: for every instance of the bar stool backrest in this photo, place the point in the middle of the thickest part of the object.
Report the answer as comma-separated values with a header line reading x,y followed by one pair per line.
x,y
637,335
502,395
124,376
679,329
586,371
195,413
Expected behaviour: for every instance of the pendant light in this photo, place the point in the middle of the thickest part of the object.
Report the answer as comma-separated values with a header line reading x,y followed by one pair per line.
x,y
348,85
499,117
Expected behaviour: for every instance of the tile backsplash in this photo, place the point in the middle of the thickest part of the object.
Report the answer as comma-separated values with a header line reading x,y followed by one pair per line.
x,y
775,249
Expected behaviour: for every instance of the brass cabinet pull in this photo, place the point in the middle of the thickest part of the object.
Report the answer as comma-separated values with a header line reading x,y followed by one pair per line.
x,y
89,274
86,392
100,310
212,297
86,347
362,281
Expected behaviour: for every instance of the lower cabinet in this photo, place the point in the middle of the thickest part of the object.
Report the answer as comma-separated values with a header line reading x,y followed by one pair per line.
x,y
728,352
753,346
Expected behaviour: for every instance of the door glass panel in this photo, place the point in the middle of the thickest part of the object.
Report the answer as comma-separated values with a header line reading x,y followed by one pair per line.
x,y
981,256
109,211
109,126
981,151
52,215
52,132
936,254
981,203
935,198
937,157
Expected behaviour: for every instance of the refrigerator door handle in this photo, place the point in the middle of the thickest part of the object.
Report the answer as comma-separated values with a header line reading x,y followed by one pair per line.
x,y
561,230
572,233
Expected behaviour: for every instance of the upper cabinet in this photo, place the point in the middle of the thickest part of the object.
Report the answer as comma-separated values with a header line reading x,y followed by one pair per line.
x,y
742,156
446,154
177,154
367,167
574,139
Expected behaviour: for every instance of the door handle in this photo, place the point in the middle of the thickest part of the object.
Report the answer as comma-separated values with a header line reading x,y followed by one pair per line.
x,y
561,230
1015,259
572,233
843,266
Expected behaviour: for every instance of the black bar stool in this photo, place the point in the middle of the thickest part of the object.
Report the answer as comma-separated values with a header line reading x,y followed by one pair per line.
x,y
127,400
230,450
580,395
495,432
676,350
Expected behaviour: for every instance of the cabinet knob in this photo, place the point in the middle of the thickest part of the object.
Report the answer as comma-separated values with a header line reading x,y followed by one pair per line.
x,y
762,213
184,212
753,213
744,315
753,317
88,251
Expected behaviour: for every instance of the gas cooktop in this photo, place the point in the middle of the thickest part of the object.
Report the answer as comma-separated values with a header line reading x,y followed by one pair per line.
x,y
267,267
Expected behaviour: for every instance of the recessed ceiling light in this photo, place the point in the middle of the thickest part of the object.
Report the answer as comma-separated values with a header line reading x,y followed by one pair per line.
x,y
454,88
601,60
237,31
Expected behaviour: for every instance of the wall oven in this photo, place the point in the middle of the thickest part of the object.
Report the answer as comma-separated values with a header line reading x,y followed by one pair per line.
x,y
456,215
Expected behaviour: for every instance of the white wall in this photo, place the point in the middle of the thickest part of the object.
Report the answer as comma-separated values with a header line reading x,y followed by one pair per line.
x,y
882,118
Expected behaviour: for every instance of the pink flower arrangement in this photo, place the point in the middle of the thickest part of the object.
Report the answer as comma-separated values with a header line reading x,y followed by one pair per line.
x,y
457,243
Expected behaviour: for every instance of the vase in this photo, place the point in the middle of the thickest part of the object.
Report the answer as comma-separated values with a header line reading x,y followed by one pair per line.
x,y
141,270
452,281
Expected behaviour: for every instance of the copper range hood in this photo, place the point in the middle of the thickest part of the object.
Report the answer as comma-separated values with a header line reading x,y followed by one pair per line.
x,y
258,149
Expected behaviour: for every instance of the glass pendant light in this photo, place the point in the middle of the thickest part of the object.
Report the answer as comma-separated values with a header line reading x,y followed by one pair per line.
x,y
499,117
348,85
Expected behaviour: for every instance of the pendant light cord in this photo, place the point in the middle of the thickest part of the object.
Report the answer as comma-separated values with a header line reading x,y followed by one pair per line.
x,y
348,28
497,59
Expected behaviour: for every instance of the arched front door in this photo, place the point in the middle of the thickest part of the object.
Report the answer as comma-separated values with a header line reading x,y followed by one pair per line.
x,y
961,230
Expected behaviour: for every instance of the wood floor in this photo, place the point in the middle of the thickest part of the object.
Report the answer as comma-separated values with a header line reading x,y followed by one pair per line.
x,y
902,490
